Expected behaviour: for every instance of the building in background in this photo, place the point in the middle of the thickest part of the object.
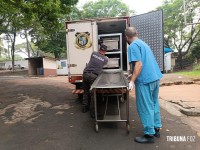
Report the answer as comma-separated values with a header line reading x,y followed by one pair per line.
x,y
42,66
62,68
23,63
169,62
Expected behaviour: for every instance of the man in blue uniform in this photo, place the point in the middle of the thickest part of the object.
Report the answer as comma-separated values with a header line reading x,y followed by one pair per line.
x,y
146,76
90,73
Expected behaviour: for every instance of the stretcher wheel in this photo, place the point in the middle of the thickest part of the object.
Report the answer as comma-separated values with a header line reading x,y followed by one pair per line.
x,y
128,127
96,128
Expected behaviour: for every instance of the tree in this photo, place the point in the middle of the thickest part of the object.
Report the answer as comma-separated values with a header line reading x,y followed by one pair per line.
x,y
196,51
1,47
22,48
48,30
11,22
40,19
105,8
75,14
178,35
18,57
55,44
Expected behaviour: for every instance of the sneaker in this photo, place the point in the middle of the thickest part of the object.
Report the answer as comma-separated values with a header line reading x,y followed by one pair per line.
x,y
145,139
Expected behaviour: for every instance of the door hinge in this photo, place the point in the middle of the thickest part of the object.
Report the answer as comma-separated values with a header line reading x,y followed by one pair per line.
x,y
72,65
70,30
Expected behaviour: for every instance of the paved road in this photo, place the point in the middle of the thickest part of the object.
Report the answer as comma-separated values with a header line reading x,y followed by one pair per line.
x,y
42,114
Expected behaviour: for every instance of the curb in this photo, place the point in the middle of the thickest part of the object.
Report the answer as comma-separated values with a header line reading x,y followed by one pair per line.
x,y
195,112
190,112
178,83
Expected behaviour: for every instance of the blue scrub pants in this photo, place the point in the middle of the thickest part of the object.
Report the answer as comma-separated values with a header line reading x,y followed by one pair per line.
x,y
148,106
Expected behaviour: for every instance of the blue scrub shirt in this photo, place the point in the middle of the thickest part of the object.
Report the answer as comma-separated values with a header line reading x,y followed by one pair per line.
x,y
140,51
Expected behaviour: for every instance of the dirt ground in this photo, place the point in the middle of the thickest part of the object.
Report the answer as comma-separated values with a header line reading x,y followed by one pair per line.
x,y
182,101
42,114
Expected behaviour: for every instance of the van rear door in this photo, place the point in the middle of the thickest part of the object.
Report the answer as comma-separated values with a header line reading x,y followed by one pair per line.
x,y
80,45
150,30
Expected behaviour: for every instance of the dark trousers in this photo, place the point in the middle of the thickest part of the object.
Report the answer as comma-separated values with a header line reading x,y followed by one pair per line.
x,y
88,79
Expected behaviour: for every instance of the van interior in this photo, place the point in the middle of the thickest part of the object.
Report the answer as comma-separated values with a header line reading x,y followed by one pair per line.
x,y
115,26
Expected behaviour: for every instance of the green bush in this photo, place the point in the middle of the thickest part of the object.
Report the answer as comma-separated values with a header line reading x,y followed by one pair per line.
x,y
196,67
190,57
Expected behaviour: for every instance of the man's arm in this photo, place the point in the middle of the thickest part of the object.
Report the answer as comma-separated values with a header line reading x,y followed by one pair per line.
x,y
106,60
137,70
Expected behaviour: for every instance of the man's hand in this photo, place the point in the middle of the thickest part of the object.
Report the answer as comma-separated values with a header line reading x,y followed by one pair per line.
x,y
131,85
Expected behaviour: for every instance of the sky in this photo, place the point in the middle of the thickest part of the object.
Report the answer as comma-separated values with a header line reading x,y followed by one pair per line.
x,y
140,6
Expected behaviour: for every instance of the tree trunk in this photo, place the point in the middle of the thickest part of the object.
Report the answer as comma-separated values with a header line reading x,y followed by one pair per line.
x,y
27,44
8,52
180,58
13,51
57,56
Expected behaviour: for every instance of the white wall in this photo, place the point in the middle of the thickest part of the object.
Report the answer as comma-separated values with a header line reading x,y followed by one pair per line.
x,y
49,64
167,61
23,63
62,68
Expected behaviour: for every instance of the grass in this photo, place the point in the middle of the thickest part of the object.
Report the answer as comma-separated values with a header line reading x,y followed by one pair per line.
x,y
194,73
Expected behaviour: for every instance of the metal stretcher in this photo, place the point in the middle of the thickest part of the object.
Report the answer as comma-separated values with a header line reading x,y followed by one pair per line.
x,y
111,84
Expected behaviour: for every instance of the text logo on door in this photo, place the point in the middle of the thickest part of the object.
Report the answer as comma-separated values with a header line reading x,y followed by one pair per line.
x,y
83,40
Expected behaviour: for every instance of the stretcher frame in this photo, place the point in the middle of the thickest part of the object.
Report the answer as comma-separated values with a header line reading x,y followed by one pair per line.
x,y
118,90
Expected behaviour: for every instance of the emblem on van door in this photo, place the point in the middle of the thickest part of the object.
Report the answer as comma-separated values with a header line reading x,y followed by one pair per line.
x,y
83,40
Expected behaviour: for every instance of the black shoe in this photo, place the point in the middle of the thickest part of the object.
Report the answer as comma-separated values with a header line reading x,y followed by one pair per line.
x,y
85,108
145,139
157,133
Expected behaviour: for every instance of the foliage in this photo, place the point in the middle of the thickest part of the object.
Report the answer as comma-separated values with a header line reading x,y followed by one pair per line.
x,y
189,58
3,59
196,51
196,67
49,22
105,8
41,19
75,14
178,35
18,57
11,22
55,43
22,48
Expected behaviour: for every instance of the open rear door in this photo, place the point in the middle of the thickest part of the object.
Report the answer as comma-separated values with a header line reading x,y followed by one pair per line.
x,y
80,45
150,30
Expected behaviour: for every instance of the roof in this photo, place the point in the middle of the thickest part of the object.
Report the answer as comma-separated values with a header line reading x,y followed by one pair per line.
x,y
98,19
40,57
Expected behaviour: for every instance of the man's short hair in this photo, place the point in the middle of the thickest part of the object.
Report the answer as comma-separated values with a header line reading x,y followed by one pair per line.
x,y
130,32
103,47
